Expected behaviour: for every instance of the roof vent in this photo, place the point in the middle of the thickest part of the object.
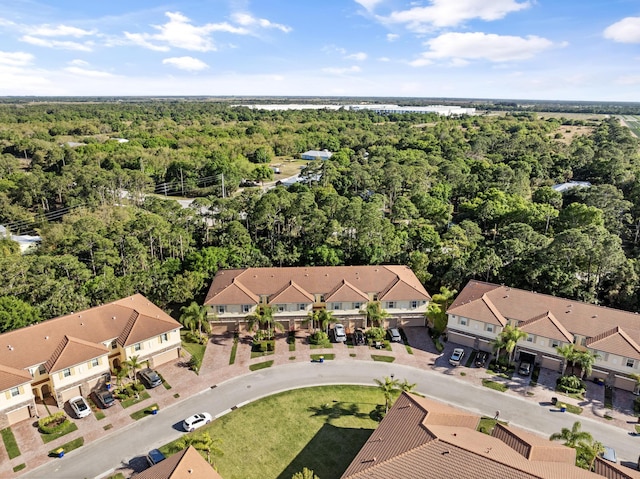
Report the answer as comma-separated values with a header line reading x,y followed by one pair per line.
x,y
113,317
81,324
446,452
10,347
594,316
568,311
46,337
505,296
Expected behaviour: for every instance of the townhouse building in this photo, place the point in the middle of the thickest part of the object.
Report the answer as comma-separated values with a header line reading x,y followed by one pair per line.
x,y
294,292
482,310
74,354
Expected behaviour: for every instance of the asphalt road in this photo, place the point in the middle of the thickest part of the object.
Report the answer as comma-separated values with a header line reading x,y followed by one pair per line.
x,y
100,457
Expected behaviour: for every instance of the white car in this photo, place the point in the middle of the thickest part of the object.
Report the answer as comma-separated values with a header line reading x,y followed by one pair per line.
x,y
80,406
456,357
196,421
339,334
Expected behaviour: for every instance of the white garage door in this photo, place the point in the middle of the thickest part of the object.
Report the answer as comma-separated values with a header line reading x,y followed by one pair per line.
x,y
69,393
462,339
18,415
165,357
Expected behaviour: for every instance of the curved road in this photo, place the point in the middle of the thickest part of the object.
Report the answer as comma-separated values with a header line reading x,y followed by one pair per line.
x,y
98,458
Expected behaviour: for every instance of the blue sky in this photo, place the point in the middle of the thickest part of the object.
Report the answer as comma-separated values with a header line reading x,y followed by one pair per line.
x,y
511,49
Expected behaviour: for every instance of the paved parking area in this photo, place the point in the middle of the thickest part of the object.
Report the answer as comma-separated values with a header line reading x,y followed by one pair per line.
x,y
216,369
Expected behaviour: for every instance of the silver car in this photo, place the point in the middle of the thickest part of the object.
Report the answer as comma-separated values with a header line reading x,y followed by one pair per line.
x,y
339,334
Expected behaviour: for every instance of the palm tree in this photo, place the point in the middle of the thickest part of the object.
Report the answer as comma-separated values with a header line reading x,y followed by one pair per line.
x,y
374,314
203,442
406,386
263,316
322,318
586,360
133,365
508,339
573,436
636,377
305,474
194,316
498,345
121,374
388,387
587,453
568,353
444,297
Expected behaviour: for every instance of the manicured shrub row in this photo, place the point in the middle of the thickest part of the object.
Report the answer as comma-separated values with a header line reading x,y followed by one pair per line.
x,y
52,424
129,391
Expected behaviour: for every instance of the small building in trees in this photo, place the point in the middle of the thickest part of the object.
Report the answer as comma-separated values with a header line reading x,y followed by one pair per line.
x,y
312,155
294,292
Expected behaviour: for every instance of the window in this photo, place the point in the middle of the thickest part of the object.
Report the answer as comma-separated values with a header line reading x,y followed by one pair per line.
x,y
489,328
302,307
66,372
414,304
280,308
462,321
95,362
530,338
555,343
114,344
42,369
164,337
630,363
391,304
15,392
337,306
245,308
221,309
357,305
137,346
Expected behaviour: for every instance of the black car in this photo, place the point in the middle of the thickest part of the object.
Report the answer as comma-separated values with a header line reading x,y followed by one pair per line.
x,y
481,359
150,378
358,337
104,398
525,369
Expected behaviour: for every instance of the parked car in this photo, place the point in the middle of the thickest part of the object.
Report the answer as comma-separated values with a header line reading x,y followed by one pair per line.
x,y
196,421
609,454
394,335
150,378
338,333
104,398
456,357
525,369
154,457
481,359
80,406
358,337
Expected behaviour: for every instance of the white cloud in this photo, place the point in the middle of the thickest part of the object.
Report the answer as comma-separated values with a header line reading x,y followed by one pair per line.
x,y
341,71
15,59
140,40
59,31
369,5
75,70
626,30
360,56
248,20
78,63
448,13
58,44
481,46
384,59
186,63
392,37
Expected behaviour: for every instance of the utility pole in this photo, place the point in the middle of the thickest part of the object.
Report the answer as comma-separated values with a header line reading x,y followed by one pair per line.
x,y
181,182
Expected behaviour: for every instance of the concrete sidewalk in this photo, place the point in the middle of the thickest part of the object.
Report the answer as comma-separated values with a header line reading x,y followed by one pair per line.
x,y
216,369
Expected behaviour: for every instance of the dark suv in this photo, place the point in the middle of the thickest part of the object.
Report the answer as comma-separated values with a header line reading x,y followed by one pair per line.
x,y
104,398
481,358
150,378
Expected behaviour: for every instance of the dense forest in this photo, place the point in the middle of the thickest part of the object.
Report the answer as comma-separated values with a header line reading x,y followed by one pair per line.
x,y
453,198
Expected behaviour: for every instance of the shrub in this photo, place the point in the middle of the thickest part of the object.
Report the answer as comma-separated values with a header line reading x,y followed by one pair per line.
x,y
375,334
53,423
571,384
319,337
139,387
636,405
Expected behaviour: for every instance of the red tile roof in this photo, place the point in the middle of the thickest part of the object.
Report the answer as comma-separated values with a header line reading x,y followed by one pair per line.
x,y
186,464
394,282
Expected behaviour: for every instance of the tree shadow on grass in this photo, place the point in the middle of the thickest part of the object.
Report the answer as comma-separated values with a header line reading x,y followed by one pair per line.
x,y
337,409
330,451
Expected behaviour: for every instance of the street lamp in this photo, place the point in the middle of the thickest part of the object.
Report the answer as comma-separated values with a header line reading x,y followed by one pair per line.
x,y
392,376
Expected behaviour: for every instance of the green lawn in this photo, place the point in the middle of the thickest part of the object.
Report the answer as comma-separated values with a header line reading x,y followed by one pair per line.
x,y
133,400
10,443
70,426
196,350
69,446
263,365
328,357
382,358
143,412
320,428
494,385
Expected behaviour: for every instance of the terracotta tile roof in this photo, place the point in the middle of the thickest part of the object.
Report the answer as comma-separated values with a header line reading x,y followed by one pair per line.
x,y
315,280
236,293
35,345
345,291
548,326
576,317
611,470
10,377
615,341
186,464
72,351
424,439
292,293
